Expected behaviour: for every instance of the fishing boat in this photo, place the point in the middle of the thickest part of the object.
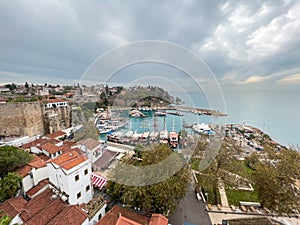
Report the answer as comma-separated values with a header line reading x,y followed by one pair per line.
x,y
163,136
160,113
173,139
202,128
136,113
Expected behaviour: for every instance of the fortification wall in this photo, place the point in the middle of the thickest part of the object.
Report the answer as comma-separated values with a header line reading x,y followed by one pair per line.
x,y
32,118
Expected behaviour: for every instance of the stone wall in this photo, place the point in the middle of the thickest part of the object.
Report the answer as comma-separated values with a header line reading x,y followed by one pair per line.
x,y
31,118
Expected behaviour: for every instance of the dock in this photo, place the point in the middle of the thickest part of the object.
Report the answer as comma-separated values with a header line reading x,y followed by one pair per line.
x,y
172,110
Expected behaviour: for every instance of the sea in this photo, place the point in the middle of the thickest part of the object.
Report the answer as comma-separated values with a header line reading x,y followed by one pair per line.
x,y
277,113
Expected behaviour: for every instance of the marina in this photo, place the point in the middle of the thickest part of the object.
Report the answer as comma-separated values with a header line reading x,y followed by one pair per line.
x,y
147,126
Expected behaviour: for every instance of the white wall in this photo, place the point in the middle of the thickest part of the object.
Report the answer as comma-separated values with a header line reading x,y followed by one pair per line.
x,y
16,220
80,185
35,150
38,175
58,178
95,218
27,183
65,181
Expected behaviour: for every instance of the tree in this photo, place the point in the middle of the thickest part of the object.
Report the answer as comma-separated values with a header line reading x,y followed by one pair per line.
x,y
26,85
11,158
223,164
4,219
275,178
9,185
155,198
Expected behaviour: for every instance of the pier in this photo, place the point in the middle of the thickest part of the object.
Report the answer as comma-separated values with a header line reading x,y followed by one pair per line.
x,y
188,109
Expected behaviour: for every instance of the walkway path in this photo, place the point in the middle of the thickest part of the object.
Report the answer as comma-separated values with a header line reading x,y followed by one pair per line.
x,y
223,195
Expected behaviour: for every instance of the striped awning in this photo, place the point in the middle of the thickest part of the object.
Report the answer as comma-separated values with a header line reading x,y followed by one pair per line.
x,y
98,181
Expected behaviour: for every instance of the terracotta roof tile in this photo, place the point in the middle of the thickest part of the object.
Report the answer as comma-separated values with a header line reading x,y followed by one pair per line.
x,y
45,214
69,159
35,205
37,162
24,170
158,219
13,206
125,221
35,143
56,134
31,192
112,216
49,147
69,215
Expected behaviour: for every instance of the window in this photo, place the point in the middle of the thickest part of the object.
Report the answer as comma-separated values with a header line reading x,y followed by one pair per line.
x,y
85,171
77,177
78,195
87,188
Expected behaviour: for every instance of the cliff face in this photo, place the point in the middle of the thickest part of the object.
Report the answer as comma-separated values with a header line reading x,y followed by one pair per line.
x,y
31,118
56,119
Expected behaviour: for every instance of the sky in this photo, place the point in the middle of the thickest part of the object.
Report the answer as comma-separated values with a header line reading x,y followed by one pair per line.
x,y
244,43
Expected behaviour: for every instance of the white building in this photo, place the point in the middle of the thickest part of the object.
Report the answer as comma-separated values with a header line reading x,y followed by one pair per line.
x,y
32,173
56,103
92,148
70,173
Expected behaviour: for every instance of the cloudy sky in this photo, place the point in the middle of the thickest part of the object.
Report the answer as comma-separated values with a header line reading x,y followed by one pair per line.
x,y
243,42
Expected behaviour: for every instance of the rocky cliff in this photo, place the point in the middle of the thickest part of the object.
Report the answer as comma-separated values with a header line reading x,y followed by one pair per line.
x,y
31,118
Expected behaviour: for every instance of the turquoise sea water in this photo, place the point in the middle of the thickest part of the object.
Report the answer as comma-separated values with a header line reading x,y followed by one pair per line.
x,y
275,112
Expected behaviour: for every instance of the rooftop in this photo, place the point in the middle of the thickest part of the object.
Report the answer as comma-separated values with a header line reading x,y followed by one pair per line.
x,y
36,162
111,218
31,192
125,221
39,142
56,134
90,143
69,159
13,206
158,219
69,215
50,147
105,159
35,143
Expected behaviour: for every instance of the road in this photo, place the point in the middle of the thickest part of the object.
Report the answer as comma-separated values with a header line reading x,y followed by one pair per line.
x,y
190,210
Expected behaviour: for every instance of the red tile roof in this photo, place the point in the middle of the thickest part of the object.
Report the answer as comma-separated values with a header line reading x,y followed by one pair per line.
x,y
36,162
112,216
35,143
69,215
158,219
31,192
24,170
125,221
56,134
46,213
44,210
13,206
36,205
69,159
49,147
